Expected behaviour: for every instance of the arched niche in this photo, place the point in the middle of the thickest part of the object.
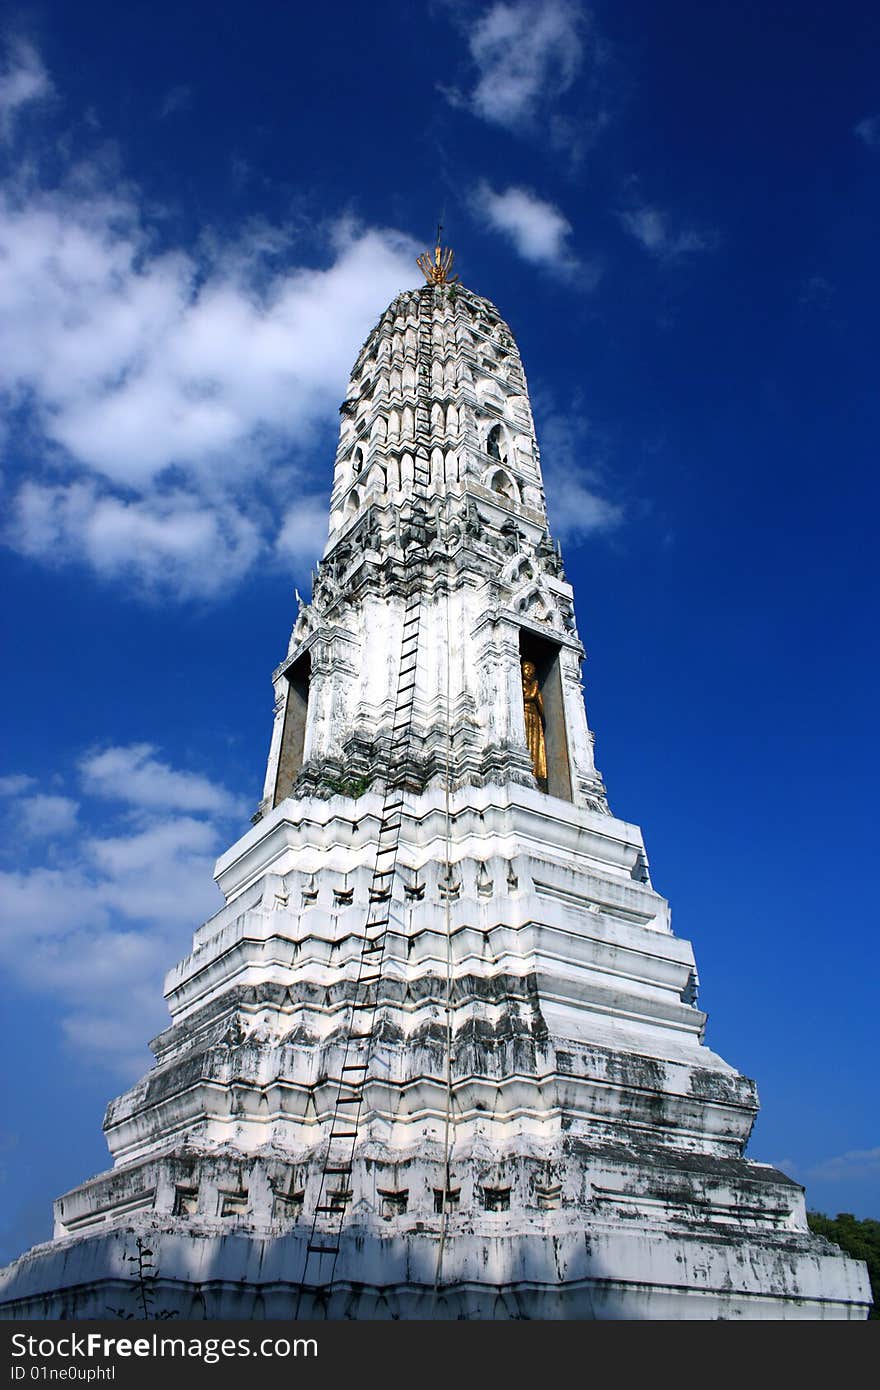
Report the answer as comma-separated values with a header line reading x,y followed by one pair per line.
x,y
496,443
544,655
499,480
293,735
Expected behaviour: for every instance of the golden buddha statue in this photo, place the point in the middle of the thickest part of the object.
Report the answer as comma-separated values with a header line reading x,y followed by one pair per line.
x,y
533,704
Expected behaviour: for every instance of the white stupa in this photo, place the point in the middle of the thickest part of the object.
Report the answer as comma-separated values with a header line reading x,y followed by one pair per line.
x,y
440,1054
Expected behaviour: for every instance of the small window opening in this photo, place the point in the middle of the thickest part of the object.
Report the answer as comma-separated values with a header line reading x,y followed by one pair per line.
x,y
186,1201
493,443
453,1197
234,1203
294,733
495,1198
394,1203
288,1205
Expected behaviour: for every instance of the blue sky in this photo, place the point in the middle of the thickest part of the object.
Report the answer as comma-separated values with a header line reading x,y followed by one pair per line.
x,y
203,211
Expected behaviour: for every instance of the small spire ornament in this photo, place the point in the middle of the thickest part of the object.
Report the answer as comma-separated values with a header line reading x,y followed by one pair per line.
x,y
436,270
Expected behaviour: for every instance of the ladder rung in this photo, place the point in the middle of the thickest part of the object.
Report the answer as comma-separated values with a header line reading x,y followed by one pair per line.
x,y
331,1208
354,1066
322,1249
350,1100
338,1169
343,1134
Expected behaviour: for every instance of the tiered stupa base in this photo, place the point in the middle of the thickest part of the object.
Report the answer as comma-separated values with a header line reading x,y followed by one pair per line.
x,y
595,1159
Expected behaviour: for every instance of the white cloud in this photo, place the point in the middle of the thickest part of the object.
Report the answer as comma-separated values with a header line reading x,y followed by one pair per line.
x,y
194,545
97,929
133,774
141,361
538,230
15,783
855,1164
650,226
125,853
176,99
169,391
303,528
44,815
22,80
868,131
578,504
527,53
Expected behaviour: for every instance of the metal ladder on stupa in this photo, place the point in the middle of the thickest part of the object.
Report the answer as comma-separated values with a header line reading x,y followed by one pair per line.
x,y
334,1193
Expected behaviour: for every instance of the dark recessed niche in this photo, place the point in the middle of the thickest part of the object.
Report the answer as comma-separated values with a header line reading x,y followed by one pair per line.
x,y
545,655
293,736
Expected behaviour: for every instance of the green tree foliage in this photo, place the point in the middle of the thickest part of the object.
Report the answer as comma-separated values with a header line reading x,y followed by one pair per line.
x,y
861,1239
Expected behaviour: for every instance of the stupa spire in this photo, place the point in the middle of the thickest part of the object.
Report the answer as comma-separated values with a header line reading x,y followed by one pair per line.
x,y
436,268
439,1054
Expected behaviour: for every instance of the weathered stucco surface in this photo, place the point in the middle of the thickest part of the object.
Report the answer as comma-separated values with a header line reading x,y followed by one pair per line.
x,y
535,1046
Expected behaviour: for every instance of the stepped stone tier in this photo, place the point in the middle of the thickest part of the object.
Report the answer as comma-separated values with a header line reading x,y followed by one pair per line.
x,y
440,1054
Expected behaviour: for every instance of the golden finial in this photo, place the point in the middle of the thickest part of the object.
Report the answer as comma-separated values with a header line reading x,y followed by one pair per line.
x,y
436,271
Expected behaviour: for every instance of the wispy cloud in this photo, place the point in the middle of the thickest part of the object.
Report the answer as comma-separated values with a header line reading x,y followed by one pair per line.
x,y
656,231
43,815
538,230
577,494
165,396
854,1164
303,528
16,783
23,80
95,921
132,773
527,54
868,131
176,99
